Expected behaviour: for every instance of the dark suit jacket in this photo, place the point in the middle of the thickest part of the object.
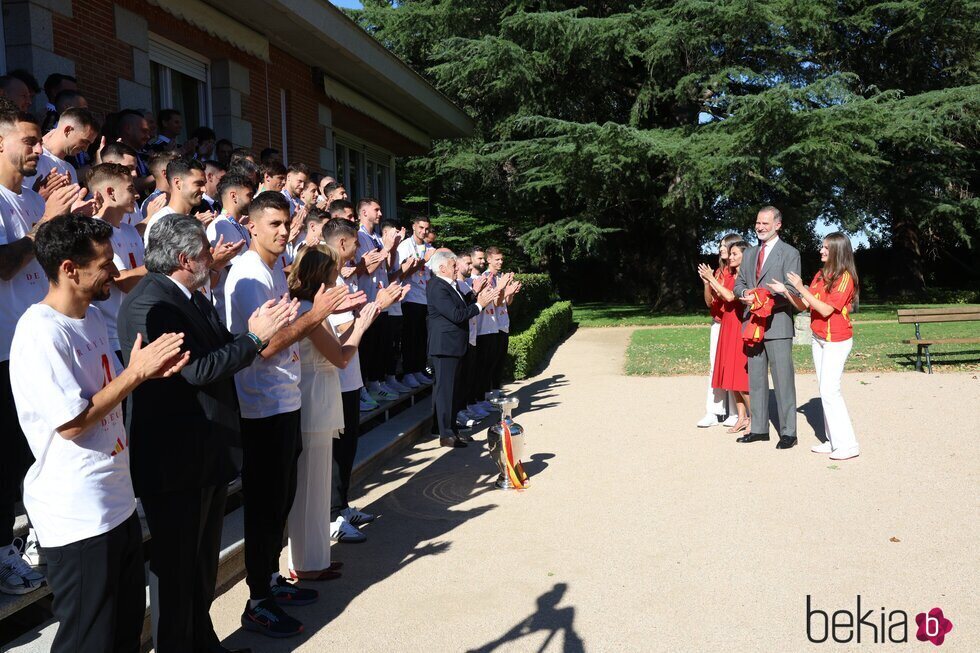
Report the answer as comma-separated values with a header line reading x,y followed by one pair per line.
x,y
448,318
181,428
782,259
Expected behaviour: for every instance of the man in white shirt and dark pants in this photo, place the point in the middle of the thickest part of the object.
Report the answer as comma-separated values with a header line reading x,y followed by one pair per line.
x,y
412,256
68,386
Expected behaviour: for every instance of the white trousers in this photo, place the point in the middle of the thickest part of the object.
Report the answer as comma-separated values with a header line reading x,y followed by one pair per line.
x,y
309,519
828,361
718,402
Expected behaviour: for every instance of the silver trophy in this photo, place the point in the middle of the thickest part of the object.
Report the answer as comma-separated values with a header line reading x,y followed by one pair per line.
x,y
506,442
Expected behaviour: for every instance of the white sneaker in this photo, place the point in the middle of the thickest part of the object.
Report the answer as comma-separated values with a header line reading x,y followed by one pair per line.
x,y
342,531
16,576
464,420
390,389
409,381
708,420
823,447
844,454
355,516
383,395
731,421
32,551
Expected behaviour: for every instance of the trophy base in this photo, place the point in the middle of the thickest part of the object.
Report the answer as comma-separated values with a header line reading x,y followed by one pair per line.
x,y
503,483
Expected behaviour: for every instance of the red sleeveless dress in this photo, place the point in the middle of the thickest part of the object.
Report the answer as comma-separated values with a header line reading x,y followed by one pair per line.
x,y
731,364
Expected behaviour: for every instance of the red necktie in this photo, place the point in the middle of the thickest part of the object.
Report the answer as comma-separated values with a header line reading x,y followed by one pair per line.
x,y
758,263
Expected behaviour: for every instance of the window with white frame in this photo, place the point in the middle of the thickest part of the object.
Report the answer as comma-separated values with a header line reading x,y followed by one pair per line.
x,y
366,172
180,79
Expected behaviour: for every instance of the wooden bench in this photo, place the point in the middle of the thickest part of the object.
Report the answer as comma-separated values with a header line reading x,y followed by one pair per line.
x,y
918,316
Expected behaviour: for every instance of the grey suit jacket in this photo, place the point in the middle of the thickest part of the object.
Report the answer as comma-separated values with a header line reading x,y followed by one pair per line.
x,y
782,259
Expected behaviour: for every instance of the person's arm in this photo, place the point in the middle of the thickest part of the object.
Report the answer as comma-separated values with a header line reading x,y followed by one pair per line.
x,y
709,297
337,352
719,288
324,303
449,309
741,283
14,256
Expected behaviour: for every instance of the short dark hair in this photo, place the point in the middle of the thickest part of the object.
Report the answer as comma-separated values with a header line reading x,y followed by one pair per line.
x,y
54,80
339,207
421,218
298,167
161,160
475,249
182,166
386,224
366,201
331,187
337,227
243,167
233,180
203,133
29,80
117,150
107,171
68,237
81,117
492,251
217,165
241,154
11,118
166,114
316,215
266,154
269,199
272,168
64,98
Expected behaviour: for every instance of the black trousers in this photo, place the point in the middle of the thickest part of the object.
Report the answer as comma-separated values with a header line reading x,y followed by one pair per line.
x,y
376,349
497,368
345,449
446,397
395,336
99,591
186,538
15,460
486,354
414,337
467,374
271,447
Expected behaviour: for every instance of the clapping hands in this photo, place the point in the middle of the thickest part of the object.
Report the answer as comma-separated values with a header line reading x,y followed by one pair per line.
x,y
271,316
159,359
222,253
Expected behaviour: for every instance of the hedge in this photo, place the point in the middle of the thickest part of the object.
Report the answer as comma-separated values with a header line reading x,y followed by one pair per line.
x,y
528,348
537,293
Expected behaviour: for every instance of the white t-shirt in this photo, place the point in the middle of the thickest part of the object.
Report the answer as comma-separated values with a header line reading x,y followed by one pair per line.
x,y
133,219
417,281
370,283
79,488
465,286
127,254
233,231
295,203
487,319
18,215
502,312
165,211
350,376
269,386
46,164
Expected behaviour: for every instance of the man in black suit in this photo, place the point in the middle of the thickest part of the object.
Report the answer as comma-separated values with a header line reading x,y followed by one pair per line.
x,y
449,312
181,428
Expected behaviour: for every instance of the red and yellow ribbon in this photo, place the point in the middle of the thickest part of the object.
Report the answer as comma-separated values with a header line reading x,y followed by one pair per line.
x,y
514,469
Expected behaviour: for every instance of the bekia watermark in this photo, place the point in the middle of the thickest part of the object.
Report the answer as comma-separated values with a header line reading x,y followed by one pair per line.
x,y
872,626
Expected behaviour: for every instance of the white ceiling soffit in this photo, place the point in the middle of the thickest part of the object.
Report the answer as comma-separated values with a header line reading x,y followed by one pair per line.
x,y
358,102
218,24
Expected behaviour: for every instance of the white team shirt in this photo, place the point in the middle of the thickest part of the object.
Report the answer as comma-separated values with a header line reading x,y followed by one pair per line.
x,y
127,254
269,386
46,164
19,212
466,286
80,488
487,320
233,231
502,312
417,281
350,376
165,211
370,283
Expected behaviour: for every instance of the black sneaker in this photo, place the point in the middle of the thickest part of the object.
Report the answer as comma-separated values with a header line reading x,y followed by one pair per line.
x,y
285,593
269,619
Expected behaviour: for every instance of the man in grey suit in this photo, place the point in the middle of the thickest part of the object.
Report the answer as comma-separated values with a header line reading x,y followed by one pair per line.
x,y
770,260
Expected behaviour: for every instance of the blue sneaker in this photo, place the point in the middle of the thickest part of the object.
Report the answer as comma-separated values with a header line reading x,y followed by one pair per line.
x,y
285,593
269,619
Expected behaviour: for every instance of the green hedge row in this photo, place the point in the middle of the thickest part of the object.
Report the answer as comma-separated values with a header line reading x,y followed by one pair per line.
x,y
536,294
528,348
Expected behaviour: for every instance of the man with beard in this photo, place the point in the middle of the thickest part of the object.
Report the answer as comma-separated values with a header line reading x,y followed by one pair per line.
x,y
75,132
68,387
187,180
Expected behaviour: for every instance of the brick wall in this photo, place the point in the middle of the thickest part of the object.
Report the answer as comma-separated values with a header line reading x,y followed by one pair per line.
x,y
101,60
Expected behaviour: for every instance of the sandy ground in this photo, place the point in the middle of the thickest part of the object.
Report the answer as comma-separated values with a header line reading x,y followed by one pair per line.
x,y
641,532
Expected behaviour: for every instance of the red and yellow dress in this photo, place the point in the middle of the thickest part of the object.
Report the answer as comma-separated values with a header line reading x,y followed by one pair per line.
x,y
731,364
837,326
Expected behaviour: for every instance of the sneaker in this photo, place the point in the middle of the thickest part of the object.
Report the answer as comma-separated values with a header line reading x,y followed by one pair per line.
x,y
845,454
409,381
32,553
386,387
341,530
708,420
477,413
269,619
731,421
16,576
393,383
464,420
381,395
285,593
368,406
355,516
422,378
485,406
823,447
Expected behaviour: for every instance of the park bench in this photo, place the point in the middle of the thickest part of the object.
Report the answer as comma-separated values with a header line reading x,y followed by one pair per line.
x,y
919,316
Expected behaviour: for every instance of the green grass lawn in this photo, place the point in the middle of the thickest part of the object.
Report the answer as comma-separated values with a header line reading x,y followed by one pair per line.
x,y
606,314
877,348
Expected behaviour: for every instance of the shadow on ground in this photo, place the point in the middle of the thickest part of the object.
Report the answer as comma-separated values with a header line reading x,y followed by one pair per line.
x,y
813,412
548,618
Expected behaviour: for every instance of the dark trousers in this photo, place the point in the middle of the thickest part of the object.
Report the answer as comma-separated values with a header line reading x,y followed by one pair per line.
x,y
467,374
446,396
99,591
345,449
395,336
497,368
271,448
375,349
186,530
15,460
414,337
486,354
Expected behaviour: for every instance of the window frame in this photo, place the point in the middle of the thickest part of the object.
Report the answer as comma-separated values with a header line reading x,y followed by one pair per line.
x,y
170,56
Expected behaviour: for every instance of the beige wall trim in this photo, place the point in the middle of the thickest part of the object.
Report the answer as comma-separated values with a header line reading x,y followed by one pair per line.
x,y
217,24
368,107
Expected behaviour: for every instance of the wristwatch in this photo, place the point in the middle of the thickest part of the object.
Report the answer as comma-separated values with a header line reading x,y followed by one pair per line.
x,y
259,345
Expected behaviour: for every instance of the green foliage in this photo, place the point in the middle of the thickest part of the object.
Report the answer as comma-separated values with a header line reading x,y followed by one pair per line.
x,y
537,293
527,349
632,132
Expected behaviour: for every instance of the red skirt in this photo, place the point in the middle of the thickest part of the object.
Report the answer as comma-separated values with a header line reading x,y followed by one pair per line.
x,y
731,364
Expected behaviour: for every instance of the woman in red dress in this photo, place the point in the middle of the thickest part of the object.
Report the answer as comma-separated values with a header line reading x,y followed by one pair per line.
x,y
718,403
731,364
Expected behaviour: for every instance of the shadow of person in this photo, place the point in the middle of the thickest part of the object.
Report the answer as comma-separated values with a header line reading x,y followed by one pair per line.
x,y
532,395
536,463
813,412
549,618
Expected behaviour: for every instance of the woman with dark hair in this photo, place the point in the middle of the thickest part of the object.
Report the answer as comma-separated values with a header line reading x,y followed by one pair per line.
x,y
730,371
718,403
322,354
830,298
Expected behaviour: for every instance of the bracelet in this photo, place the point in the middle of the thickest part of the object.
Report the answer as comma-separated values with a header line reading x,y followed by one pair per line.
x,y
259,345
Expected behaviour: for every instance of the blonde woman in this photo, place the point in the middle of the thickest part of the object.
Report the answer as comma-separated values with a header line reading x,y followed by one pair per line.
x,y
718,402
830,298
322,354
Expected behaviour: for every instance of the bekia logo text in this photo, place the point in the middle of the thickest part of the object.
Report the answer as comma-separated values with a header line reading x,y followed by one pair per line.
x,y
873,626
